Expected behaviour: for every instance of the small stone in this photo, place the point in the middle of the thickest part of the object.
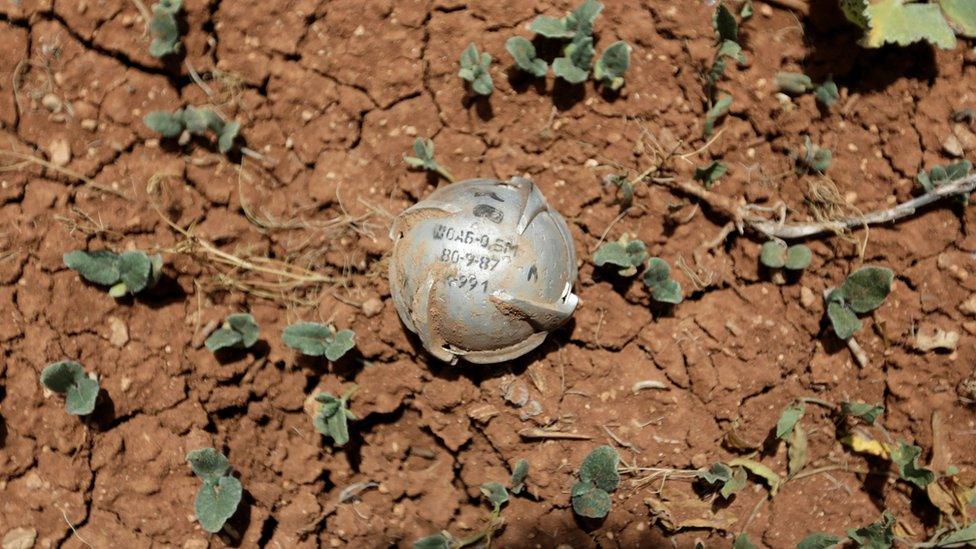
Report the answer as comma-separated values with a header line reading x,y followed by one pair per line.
x,y
118,332
591,163
60,152
20,538
699,460
952,146
51,102
966,137
807,297
969,306
930,339
89,124
372,307
196,544
125,384
765,10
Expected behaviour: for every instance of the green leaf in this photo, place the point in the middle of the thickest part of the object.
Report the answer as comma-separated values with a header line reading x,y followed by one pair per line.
x,y
814,159
961,15
81,397
100,267
550,27
519,473
793,82
474,69
332,419
208,464
718,472
725,25
844,321
897,22
134,270
227,135
905,456
787,420
759,470
600,468
244,324
581,19
718,110
798,257
580,51
708,175
657,272
963,537
523,51
564,68
496,494
118,290
746,11
164,29
773,254
197,121
742,541
827,93
168,124
313,339
224,338
862,410
217,502
435,541
731,480
818,540
590,501
668,291
879,535
866,288
61,376
612,65
628,255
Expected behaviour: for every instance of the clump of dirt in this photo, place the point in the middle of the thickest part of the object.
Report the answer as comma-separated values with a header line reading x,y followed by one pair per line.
x,y
330,96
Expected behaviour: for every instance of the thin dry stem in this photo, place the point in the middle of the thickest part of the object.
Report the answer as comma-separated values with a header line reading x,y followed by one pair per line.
x,y
26,160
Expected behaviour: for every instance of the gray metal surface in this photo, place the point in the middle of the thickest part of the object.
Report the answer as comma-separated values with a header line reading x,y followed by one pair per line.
x,y
482,269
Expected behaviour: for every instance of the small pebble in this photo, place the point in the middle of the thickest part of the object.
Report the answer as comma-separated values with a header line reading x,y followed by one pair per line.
x,y
89,124
20,538
118,332
952,146
51,102
372,307
60,152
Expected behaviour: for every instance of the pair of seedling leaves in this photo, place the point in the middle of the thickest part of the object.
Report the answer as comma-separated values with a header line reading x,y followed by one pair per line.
x,y
220,494
194,121
164,28
578,53
240,331
902,22
497,495
631,254
863,291
795,83
813,159
598,478
727,49
332,419
424,149
776,254
126,273
69,379
942,175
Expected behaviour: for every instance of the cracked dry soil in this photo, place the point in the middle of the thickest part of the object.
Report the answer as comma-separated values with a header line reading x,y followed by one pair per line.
x,y
332,94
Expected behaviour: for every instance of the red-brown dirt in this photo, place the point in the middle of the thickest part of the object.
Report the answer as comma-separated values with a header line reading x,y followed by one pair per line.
x,y
332,95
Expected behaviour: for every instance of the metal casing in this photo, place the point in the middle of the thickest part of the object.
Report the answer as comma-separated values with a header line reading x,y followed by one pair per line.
x,y
482,269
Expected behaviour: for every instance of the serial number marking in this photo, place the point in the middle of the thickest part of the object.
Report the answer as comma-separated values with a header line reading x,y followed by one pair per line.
x,y
467,283
468,236
468,259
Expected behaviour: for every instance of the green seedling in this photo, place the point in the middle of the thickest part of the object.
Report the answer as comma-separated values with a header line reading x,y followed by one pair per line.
x,y
598,479
624,186
864,291
126,273
789,429
624,253
523,51
901,23
788,419
729,479
813,159
164,28
727,49
709,174
474,69
905,456
69,379
964,536
861,410
657,277
314,339
332,419
719,109
613,63
942,175
742,541
827,93
440,540
776,254
793,83
818,540
876,535
424,149
517,481
239,331
497,496
574,65
578,21
220,494
194,121
746,11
